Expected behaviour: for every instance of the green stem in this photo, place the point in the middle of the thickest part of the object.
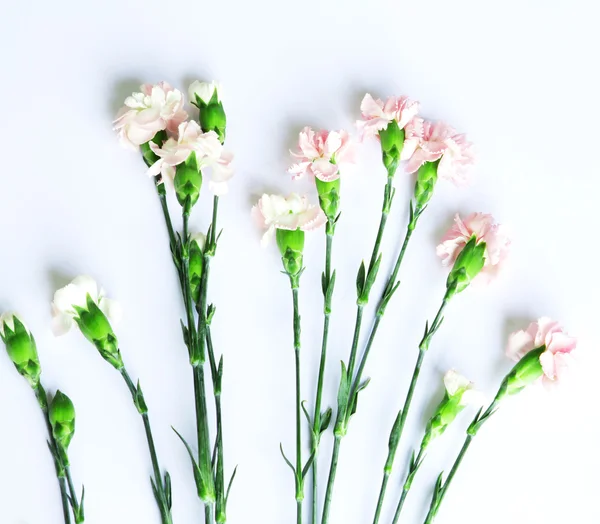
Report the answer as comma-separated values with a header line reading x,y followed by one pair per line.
x,y
435,506
361,303
331,480
73,493
220,471
40,393
299,466
162,196
423,346
407,485
160,494
316,436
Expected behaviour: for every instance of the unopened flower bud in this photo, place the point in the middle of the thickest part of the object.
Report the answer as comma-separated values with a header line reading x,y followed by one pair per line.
x,y
21,348
459,394
329,197
62,419
426,179
392,142
83,303
188,181
196,261
207,98
467,266
291,245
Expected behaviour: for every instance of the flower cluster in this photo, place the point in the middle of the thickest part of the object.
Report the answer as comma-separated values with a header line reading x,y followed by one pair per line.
x,y
155,120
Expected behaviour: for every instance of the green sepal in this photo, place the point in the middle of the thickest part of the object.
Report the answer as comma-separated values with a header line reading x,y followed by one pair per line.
x,y
212,116
426,179
329,197
467,266
188,181
62,419
195,265
525,372
291,246
392,143
22,350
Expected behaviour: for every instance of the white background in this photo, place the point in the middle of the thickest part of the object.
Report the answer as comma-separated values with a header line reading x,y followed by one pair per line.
x,y
520,78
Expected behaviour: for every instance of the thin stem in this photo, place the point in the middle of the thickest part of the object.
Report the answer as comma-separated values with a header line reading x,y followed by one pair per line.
x,y
40,393
331,479
299,466
407,485
423,346
355,339
215,372
316,436
435,507
392,452
73,494
165,209
158,482
362,301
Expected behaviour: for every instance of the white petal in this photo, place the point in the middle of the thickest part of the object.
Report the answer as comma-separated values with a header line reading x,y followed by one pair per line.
x,y
61,324
112,309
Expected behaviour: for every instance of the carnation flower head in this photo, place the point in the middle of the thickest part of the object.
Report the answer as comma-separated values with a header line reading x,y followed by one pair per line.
x,y
377,114
208,150
153,109
483,228
274,212
323,154
557,358
441,142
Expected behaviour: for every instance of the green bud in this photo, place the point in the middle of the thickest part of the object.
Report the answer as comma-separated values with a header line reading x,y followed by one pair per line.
x,y
467,266
291,245
21,348
188,181
426,180
392,143
525,372
196,261
206,97
329,197
62,419
97,329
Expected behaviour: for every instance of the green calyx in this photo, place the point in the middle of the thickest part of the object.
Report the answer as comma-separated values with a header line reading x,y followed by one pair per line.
x,y
525,372
212,115
291,246
188,181
426,179
392,143
148,155
196,263
329,197
447,410
97,329
21,349
467,266
62,419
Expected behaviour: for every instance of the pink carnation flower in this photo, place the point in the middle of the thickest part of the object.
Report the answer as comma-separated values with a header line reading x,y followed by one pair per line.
x,y
376,114
441,142
323,154
209,153
483,227
155,108
560,352
294,212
